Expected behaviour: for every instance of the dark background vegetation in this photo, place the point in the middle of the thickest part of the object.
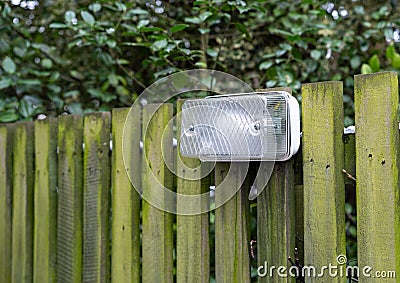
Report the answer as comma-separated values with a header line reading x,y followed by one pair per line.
x,y
60,56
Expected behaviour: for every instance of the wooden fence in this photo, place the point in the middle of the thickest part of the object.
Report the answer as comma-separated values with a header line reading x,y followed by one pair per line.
x,y
68,213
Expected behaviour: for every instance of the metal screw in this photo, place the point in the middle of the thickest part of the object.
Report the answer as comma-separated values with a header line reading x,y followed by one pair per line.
x,y
257,126
191,128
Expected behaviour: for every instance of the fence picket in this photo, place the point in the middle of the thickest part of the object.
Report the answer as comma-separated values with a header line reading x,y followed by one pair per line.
x,y
157,236
96,191
276,220
232,257
6,149
192,245
22,212
276,215
70,193
125,236
299,221
45,202
377,161
323,162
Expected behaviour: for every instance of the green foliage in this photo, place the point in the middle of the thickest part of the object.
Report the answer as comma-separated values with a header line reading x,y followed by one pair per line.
x,y
62,56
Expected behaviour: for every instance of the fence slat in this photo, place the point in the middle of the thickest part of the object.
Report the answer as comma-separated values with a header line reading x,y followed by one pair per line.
x,y
157,237
232,258
96,191
6,149
377,161
276,220
70,192
125,236
193,250
45,202
323,162
299,220
276,214
22,213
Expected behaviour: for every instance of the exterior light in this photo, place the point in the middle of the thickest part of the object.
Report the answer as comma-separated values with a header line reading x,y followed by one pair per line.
x,y
261,126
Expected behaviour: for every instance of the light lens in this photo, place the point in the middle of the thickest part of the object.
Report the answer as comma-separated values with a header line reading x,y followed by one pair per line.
x,y
238,127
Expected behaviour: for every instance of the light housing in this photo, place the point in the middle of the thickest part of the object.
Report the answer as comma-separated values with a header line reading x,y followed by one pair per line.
x,y
241,127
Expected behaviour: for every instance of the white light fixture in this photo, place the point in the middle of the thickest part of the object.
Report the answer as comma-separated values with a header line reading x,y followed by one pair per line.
x,y
241,127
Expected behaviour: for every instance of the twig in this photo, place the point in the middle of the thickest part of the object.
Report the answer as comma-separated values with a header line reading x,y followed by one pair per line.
x,y
252,248
348,175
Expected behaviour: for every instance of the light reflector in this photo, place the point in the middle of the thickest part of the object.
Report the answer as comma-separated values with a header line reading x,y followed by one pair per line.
x,y
241,127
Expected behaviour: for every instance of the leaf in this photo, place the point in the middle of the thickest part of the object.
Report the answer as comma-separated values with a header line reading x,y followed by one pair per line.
x,y
95,7
374,63
390,51
88,18
359,10
69,16
75,108
265,65
280,52
315,54
211,52
271,83
122,62
113,79
5,83
58,25
76,75
355,62
29,82
366,69
203,30
138,12
388,32
201,65
122,91
193,20
240,27
25,108
151,29
159,44
47,63
120,6
111,43
8,116
142,23
280,32
104,96
20,51
71,93
178,27
165,72
204,16
396,61
9,65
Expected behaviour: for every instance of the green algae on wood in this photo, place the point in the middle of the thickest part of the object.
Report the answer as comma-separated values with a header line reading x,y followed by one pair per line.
x,y
6,183
232,256
22,213
96,191
125,233
157,229
45,202
377,161
276,213
323,162
192,247
70,199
